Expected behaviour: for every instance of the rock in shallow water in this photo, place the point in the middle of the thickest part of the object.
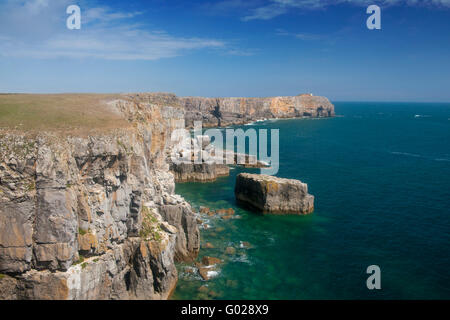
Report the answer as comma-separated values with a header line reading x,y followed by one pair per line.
x,y
268,194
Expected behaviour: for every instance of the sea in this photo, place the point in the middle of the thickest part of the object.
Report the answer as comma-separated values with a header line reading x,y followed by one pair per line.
x,y
380,174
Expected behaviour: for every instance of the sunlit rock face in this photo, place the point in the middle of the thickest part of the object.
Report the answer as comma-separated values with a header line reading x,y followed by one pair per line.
x,y
86,217
272,195
94,215
231,111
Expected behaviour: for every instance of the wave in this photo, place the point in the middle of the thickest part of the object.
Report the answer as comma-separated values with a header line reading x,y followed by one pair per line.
x,y
422,116
407,154
413,155
212,274
243,258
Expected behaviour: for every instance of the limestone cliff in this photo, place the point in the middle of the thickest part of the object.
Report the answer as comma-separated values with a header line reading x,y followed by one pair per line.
x,y
269,194
231,111
93,214
93,217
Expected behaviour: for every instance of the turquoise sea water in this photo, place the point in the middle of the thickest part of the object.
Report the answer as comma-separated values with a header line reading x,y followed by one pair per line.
x,y
380,174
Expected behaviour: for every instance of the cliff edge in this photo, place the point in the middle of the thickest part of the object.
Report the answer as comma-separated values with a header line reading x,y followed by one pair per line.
x,y
93,215
88,208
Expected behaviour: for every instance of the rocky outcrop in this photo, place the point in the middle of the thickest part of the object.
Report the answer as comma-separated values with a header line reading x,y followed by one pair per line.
x,y
202,172
188,240
134,269
222,112
88,217
93,215
231,111
269,194
196,159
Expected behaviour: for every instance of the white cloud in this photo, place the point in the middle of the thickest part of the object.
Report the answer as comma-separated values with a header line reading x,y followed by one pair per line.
x,y
37,29
105,14
266,12
35,6
275,8
302,36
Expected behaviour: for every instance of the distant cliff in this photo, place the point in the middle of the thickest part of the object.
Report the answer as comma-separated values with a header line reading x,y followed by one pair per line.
x,y
231,111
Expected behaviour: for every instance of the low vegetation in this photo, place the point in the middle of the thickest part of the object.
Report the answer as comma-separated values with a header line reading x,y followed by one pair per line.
x,y
150,229
80,260
56,112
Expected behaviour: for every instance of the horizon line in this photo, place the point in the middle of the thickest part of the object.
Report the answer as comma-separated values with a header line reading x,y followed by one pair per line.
x,y
207,96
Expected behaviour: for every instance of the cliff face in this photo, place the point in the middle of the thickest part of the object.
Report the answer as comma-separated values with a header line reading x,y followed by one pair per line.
x,y
93,217
230,111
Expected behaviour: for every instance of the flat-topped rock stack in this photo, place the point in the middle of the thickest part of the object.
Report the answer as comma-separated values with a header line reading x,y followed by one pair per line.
x,y
269,194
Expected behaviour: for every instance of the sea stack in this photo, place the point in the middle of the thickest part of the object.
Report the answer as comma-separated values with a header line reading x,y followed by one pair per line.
x,y
272,195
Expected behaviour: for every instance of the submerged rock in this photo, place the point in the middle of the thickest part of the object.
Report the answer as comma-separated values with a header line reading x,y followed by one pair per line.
x,y
226,212
232,283
208,245
209,261
204,210
269,194
244,244
230,251
203,289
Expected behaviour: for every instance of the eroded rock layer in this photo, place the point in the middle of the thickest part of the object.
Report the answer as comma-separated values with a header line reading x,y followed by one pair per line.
x,y
269,194
88,218
214,112
94,215
232,111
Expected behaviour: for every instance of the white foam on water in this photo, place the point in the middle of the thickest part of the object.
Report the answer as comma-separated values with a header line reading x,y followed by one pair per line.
x,y
407,154
212,274
422,116
242,259
419,156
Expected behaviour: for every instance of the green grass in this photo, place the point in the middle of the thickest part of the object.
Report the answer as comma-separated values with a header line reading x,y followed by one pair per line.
x,y
80,260
30,186
34,112
150,226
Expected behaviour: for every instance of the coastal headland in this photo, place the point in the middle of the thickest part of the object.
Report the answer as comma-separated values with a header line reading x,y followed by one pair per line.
x,y
88,208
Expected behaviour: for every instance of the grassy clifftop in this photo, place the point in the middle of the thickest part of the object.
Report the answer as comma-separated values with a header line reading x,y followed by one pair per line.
x,y
59,112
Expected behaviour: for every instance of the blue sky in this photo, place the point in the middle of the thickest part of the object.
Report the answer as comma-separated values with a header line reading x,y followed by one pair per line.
x,y
229,48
